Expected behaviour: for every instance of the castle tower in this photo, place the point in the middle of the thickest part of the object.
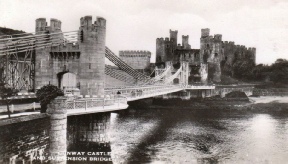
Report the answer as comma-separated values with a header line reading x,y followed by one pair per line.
x,y
205,32
40,25
92,60
211,53
173,38
55,25
185,42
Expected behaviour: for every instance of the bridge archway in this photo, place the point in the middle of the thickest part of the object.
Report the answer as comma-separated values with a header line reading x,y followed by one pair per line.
x,y
176,81
67,80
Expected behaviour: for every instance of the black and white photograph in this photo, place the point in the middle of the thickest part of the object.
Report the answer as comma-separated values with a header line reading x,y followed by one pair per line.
x,y
143,81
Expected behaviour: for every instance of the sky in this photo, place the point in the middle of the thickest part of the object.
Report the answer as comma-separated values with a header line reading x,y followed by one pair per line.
x,y
135,24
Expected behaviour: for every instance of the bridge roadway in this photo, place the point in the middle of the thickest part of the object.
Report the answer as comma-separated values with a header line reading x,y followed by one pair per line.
x,y
115,98
119,96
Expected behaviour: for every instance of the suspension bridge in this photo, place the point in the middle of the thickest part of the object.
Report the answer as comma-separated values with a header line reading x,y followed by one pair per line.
x,y
75,60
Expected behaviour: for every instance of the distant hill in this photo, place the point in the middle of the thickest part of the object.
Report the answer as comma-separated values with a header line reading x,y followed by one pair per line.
x,y
9,31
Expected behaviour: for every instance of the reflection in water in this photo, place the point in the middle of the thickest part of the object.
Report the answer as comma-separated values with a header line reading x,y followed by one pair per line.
x,y
158,135
198,136
88,134
180,135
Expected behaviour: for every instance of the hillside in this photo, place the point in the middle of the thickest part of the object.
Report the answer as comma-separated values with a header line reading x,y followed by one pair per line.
x,y
9,31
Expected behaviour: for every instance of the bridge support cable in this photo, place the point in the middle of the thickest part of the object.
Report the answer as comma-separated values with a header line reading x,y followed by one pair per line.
x,y
22,45
17,55
118,74
159,77
172,77
125,67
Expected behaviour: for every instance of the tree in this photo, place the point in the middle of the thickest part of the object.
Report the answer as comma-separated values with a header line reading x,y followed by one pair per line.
x,y
279,71
243,69
46,94
5,93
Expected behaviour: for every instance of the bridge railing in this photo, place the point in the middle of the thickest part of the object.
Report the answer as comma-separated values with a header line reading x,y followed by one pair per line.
x,y
200,87
93,102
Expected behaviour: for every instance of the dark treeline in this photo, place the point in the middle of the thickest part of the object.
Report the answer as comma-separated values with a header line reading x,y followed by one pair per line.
x,y
246,70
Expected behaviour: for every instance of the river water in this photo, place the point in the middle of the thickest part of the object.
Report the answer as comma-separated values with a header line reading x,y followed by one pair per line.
x,y
203,133
170,135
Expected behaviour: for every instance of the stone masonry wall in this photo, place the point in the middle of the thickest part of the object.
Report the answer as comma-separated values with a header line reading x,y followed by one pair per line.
x,y
136,59
21,141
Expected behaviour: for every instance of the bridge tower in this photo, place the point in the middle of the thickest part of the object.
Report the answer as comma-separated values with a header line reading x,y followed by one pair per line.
x,y
184,73
92,60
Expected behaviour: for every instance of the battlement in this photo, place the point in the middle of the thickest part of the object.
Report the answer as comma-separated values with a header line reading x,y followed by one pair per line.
x,y
135,53
41,25
185,36
165,40
86,23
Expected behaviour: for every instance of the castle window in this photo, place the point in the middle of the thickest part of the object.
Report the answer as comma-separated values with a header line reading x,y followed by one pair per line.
x,y
195,55
89,65
167,46
216,55
207,46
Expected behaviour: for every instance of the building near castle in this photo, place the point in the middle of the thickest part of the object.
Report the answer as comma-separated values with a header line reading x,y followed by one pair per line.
x,y
205,63
139,60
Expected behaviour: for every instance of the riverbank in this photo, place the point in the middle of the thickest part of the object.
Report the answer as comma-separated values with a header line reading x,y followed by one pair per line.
x,y
254,104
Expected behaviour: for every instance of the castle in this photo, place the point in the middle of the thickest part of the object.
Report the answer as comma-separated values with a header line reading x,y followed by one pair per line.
x,y
205,63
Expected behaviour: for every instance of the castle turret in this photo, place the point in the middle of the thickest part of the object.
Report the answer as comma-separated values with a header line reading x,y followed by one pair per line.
x,y
92,46
185,42
217,37
173,37
55,25
40,25
205,32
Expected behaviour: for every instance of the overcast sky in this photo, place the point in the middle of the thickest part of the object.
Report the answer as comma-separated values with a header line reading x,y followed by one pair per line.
x,y
135,24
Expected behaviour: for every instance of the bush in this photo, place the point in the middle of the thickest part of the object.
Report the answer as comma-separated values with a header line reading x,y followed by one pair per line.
x,y
46,94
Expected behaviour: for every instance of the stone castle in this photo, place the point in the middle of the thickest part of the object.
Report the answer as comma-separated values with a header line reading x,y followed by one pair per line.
x,y
205,63
139,60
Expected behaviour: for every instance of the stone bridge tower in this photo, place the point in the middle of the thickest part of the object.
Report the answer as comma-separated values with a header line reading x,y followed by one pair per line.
x,y
83,62
92,60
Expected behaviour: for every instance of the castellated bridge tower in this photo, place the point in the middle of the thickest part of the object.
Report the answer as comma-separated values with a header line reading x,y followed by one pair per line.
x,y
92,60
76,65
43,73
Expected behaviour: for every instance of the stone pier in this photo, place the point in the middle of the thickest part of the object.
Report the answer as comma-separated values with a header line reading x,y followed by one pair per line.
x,y
58,130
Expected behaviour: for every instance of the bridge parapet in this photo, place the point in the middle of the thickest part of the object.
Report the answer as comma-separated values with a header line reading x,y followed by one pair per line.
x,y
94,104
200,87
